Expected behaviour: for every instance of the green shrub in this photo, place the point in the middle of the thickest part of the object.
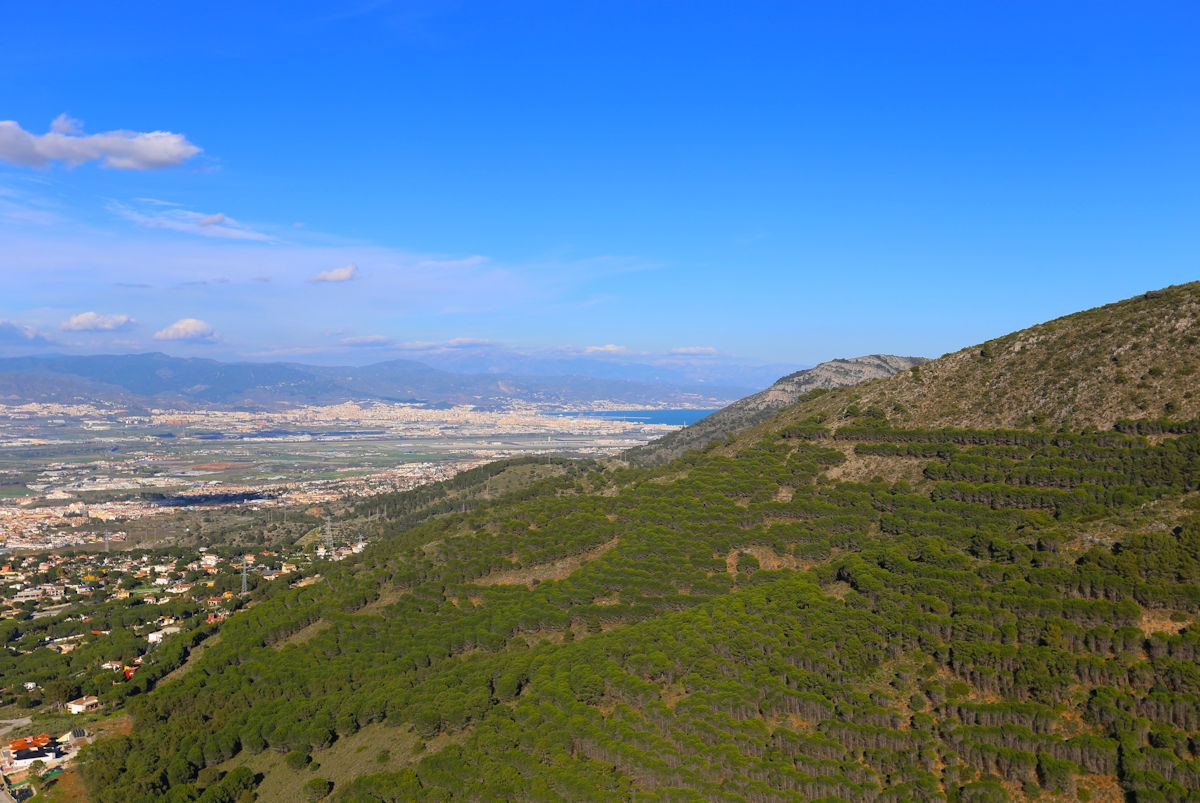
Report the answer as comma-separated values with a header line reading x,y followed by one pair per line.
x,y
317,788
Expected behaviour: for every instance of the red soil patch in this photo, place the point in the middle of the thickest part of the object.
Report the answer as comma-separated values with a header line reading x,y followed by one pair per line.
x,y
69,786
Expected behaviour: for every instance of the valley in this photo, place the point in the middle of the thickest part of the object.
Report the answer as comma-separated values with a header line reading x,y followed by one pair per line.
x,y
84,475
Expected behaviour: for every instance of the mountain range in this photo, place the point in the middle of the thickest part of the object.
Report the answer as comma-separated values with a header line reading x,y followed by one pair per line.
x,y
158,379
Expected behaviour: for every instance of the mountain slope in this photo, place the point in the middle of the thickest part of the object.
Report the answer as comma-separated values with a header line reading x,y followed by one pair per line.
x,y
1018,620
751,410
1136,358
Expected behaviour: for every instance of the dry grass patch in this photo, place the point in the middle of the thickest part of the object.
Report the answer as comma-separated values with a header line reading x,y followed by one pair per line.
x,y
558,570
348,758
864,468
1156,620
194,655
389,597
767,558
303,634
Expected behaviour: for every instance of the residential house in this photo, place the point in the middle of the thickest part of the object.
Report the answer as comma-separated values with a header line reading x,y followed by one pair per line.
x,y
158,635
83,705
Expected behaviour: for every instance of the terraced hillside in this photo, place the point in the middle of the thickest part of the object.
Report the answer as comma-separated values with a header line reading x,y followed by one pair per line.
x,y
1012,613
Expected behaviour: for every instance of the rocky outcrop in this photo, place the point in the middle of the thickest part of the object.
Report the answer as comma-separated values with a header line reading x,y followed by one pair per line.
x,y
749,411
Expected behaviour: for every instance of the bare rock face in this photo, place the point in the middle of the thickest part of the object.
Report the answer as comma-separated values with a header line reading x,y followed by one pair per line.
x,y
749,411
827,375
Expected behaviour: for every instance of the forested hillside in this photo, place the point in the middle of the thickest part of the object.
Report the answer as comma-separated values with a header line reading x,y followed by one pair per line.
x,y
1009,613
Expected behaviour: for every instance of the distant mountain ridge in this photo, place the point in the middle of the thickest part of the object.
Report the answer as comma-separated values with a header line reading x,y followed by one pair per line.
x,y
158,379
685,370
754,409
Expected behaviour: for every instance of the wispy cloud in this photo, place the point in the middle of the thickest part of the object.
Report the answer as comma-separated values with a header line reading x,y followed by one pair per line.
x,y
452,264
342,274
356,10
66,143
367,341
423,346
693,350
187,329
16,213
21,206
174,218
262,299
96,322
608,349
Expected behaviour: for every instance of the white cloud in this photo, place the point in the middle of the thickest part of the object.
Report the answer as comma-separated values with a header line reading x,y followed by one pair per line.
x,y
96,322
693,350
342,274
609,349
168,216
65,142
186,329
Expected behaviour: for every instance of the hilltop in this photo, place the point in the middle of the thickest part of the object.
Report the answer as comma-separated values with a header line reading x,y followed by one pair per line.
x,y
754,409
1016,617
1136,358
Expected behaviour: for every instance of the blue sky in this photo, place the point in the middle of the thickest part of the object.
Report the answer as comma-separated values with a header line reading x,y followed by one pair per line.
x,y
750,182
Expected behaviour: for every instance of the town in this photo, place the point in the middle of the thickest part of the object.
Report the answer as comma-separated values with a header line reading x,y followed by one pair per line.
x,y
83,631
74,475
